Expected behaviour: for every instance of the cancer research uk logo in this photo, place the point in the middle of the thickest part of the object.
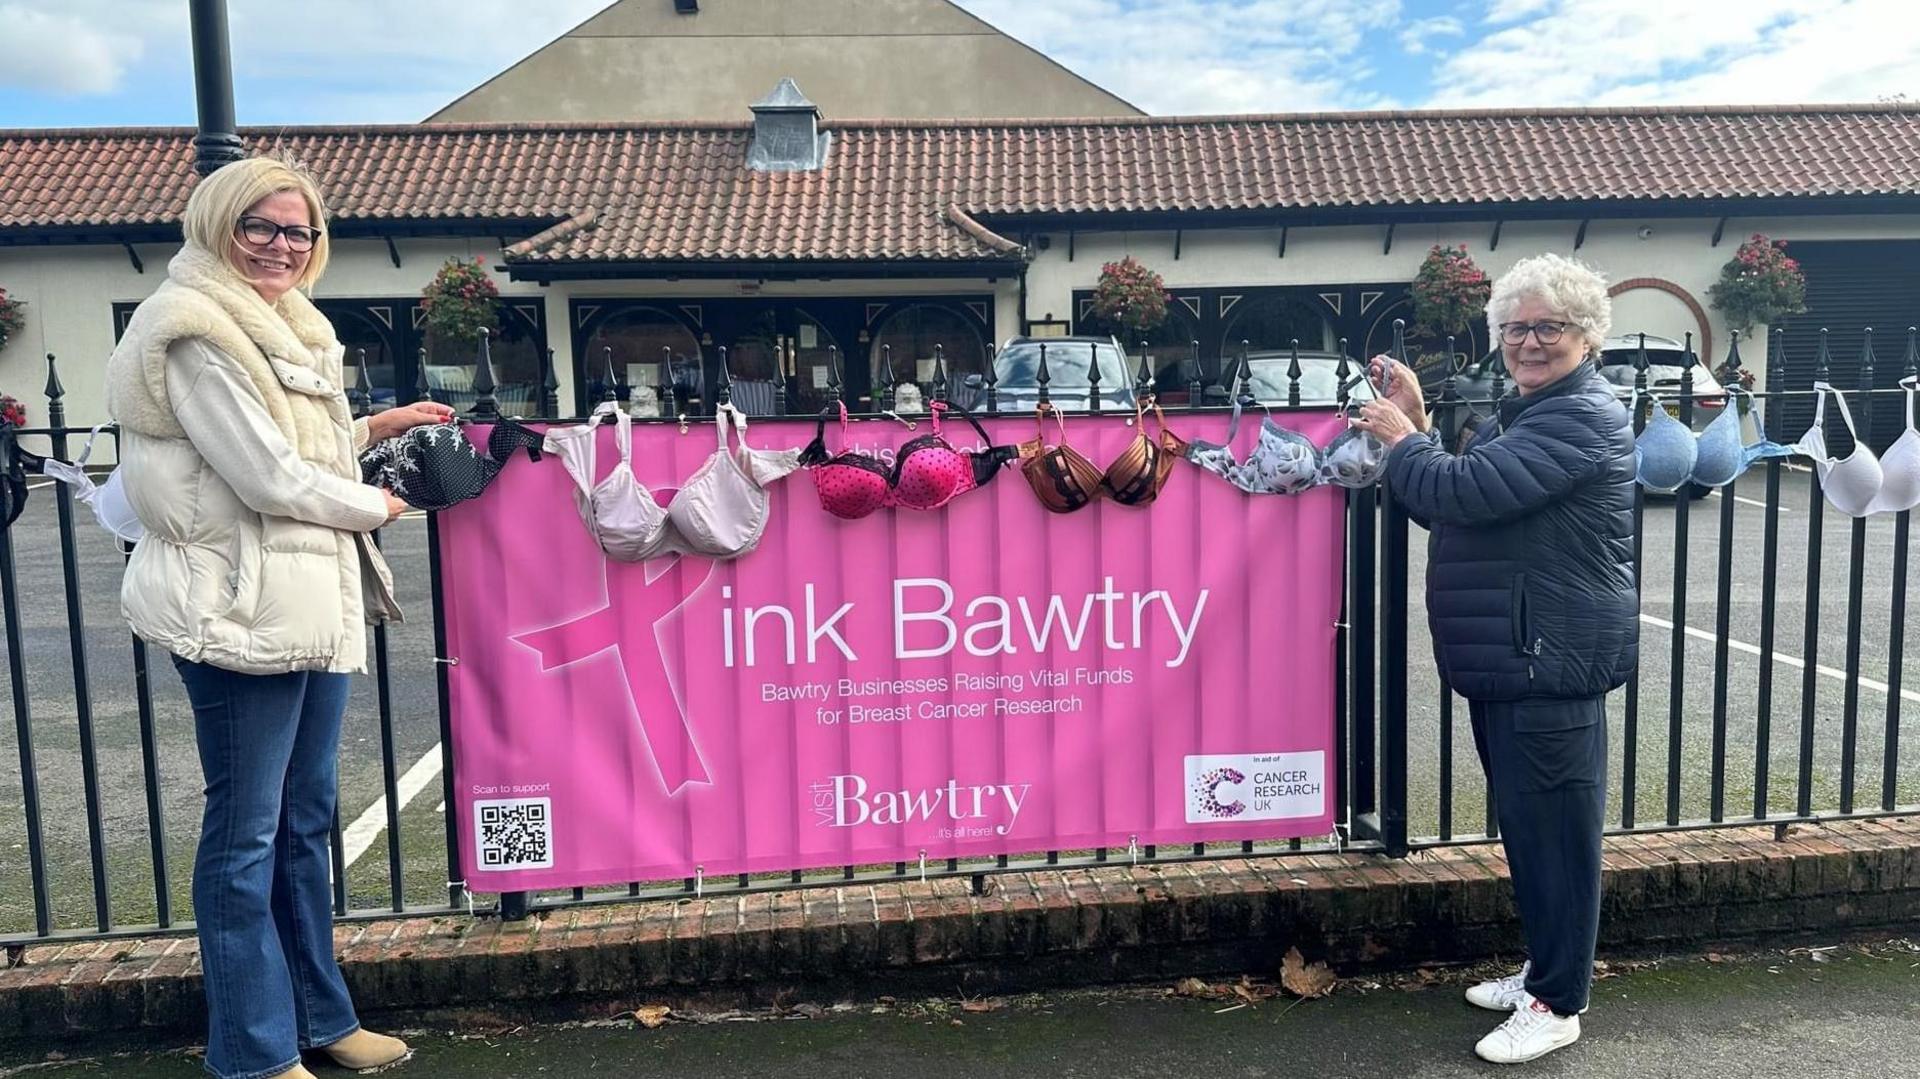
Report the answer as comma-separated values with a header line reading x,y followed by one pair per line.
x,y
1255,786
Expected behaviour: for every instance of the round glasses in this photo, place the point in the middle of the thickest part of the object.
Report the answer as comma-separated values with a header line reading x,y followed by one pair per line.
x,y
260,232
1547,333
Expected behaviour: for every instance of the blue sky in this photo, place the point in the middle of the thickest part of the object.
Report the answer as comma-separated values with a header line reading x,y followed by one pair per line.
x,y
99,62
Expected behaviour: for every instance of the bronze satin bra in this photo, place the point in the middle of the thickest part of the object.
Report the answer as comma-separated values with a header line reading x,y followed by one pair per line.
x,y
1065,481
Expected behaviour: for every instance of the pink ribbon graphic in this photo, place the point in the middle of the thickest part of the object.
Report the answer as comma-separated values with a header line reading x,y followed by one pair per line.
x,y
633,596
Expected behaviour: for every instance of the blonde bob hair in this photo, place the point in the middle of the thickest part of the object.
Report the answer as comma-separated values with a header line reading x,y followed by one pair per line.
x,y
217,203
1570,287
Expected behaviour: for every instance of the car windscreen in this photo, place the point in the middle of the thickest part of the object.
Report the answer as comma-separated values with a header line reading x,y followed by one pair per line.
x,y
1018,366
1271,385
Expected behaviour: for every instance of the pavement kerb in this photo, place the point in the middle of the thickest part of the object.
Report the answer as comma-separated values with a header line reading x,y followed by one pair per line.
x,y
1031,931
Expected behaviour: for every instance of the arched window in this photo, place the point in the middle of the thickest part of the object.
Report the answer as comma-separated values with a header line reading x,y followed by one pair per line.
x,y
1426,353
519,368
637,341
907,339
1271,323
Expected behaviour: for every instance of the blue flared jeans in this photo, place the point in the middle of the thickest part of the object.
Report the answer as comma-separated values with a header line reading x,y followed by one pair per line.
x,y
261,878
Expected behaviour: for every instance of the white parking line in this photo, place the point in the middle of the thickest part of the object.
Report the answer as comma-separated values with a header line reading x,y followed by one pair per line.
x,y
367,827
1782,657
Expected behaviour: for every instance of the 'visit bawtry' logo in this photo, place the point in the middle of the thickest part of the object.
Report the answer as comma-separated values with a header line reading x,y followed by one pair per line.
x,y
1255,786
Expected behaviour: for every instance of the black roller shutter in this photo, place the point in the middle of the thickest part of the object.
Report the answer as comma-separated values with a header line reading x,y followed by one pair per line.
x,y
1851,285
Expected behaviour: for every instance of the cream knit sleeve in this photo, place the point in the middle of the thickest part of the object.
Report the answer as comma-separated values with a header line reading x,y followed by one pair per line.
x,y
227,422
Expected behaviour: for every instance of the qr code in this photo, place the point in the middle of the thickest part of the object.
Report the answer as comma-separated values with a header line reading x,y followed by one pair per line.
x,y
514,833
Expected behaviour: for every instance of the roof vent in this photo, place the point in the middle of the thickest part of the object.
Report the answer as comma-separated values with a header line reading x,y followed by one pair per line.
x,y
786,132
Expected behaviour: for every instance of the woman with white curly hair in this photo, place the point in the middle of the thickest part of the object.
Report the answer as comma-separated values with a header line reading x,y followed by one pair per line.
x,y
1534,613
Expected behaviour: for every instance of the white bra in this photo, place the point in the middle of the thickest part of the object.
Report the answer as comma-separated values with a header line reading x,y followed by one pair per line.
x,y
719,512
1861,483
108,500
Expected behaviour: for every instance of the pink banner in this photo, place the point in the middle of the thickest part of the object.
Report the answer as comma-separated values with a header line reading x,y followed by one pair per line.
x,y
989,678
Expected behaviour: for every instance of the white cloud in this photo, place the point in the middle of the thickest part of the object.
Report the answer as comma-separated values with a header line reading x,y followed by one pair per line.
x,y
71,47
1499,11
1633,52
1182,57
1417,36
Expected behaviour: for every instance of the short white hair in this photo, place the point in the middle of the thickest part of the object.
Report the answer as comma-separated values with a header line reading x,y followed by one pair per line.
x,y
1573,289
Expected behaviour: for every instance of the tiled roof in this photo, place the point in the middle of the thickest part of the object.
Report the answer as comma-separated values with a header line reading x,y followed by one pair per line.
x,y
920,190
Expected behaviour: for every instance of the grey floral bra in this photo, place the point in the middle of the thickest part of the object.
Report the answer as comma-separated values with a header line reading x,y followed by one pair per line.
x,y
1285,462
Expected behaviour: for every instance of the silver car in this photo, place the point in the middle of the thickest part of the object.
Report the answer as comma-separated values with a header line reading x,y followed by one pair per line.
x,y
1016,371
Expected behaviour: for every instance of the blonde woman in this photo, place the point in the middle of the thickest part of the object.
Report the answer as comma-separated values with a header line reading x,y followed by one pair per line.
x,y
259,575
1530,594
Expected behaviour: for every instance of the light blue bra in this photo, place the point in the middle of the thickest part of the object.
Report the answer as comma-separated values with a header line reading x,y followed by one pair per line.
x,y
1668,456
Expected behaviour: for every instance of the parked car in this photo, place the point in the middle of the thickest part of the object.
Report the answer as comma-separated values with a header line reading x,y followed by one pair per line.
x,y
1270,380
1016,372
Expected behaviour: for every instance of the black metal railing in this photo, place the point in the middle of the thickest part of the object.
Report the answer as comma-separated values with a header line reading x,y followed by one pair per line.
x,y
1396,743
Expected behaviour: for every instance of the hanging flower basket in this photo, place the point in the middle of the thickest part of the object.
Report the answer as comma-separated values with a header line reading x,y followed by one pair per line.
x,y
1449,292
1130,296
458,303
13,317
1760,284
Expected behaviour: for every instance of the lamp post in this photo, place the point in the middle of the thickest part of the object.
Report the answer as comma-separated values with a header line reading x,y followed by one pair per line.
x,y
217,142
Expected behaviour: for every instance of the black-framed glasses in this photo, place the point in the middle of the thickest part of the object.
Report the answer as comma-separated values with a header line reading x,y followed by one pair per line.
x,y
1547,333
260,232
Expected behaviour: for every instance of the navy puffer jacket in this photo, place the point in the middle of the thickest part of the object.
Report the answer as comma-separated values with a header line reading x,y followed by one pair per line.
x,y
1530,574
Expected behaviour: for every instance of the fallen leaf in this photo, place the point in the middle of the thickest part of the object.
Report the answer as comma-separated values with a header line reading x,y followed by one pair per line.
x,y
1303,981
979,1006
1192,987
652,1016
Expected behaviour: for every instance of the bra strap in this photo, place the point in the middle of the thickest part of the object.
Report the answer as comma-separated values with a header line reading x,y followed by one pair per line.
x,y
1040,423
1233,425
93,434
1839,400
741,452
1911,383
985,439
622,435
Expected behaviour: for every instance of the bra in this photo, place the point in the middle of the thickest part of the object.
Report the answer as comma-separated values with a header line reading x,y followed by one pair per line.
x,y
927,474
13,477
107,500
1065,481
719,512
1282,462
1862,483
1667,455
1353,459
436,466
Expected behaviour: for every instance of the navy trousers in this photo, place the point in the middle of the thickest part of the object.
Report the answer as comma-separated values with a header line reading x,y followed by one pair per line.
x,y
1546,760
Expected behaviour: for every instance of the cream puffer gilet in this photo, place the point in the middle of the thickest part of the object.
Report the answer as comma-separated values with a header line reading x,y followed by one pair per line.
x,y
254,584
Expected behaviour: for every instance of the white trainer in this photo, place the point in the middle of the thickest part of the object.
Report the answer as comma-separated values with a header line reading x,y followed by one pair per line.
x,y
1501,994
1531,1032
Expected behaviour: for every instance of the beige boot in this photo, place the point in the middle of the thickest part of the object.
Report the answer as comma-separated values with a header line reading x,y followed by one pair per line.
x,y
365,1049
295,1072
